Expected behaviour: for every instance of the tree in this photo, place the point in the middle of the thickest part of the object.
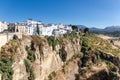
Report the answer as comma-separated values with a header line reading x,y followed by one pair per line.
x,y
86,30
15,37
38,30
75,28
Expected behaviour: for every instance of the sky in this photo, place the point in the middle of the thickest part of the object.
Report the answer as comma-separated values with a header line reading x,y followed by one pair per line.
x,y
92,13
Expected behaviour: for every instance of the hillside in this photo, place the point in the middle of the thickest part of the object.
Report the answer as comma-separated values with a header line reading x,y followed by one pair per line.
x,y
113,31
69,57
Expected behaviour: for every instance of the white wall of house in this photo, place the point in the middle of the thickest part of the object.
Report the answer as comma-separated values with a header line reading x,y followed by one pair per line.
x,y
47,30
58,32
32,27
61,26
3,26
0,27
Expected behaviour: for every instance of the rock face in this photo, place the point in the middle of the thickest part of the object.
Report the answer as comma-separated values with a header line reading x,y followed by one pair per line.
x,y
18,64
50,60
44,65
46,61
65,62
69,72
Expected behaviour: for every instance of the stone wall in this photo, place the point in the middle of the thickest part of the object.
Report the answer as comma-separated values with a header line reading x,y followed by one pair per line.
x,y
5,37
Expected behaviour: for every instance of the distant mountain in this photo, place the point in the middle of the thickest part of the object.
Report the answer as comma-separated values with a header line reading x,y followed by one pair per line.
x,y
110,31
81,26
112,28
107,29
95,29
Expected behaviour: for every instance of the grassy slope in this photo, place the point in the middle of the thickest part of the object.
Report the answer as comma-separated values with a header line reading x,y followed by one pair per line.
x,y
101,44
103,68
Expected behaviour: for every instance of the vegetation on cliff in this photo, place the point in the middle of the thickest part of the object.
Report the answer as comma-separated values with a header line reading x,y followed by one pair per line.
x,y
94,52
6,68
31,55
29,70
95,59
7,55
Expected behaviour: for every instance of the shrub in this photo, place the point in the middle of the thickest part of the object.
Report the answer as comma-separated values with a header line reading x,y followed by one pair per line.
x,y
75,28
29,70
86,30
63,54
71,35
52,42
31,55
27,65
53,74
113,76
85,42
15,37
6,68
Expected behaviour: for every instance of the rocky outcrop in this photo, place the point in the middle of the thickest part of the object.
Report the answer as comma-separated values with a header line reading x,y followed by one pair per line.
x,y
35,59
18,64
51,60
46,60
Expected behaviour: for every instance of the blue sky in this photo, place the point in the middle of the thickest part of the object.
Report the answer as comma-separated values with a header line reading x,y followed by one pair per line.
x,y
92,13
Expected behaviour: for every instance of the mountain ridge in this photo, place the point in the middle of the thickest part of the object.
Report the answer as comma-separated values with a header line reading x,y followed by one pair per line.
x,y
108,29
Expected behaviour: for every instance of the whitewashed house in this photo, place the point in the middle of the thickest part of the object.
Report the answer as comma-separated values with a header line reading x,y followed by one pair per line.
x,y
47,30
20,28
54,29
62,29
31,27
3,26
58,32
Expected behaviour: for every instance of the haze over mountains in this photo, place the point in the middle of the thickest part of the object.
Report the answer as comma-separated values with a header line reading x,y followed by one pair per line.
x,y
107,29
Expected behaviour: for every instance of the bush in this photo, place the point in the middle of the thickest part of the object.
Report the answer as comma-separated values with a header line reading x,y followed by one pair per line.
x,y
15,37
86,30
6,68
53,74
75,28
113,76
70,35
63,54
29,70
27,65
52,42
85,42
31,55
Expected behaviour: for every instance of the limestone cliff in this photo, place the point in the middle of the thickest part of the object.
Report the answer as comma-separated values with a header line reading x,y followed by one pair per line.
x,y
70,57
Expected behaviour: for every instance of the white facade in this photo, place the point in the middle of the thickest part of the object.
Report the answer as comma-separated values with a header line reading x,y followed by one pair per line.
x,y
54,29
3,26
31,27
47,30
57,32
62,29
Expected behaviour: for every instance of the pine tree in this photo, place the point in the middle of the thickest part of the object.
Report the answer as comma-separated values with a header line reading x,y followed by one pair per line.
x,y
38,31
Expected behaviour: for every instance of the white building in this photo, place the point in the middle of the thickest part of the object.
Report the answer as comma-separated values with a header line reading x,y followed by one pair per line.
x,y
47,30
58,32
31,27
20,28
3,26
62,29
54,29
